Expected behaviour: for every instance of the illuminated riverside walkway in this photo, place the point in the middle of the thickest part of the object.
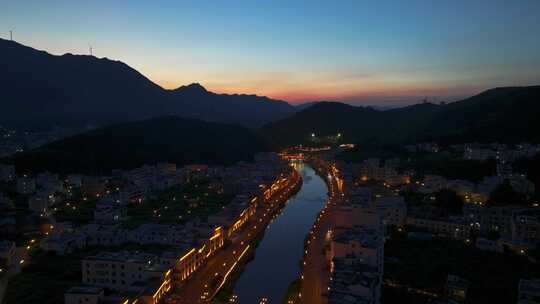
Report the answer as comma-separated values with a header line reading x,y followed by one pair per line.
x,y
277,259
203,284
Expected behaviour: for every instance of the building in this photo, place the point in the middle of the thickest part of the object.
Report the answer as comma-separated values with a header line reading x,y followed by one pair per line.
x,y
135,273
40,202
529,291
235,214
92,186
104,235
479,154
49,182
525,227
84,295
74,180
26,185
362,245
356,253
453,228
392,209
173,235
7,173
456,288
109,212
8,255
354,283
188,263
486,219
5,202
63,243
489,245
119,270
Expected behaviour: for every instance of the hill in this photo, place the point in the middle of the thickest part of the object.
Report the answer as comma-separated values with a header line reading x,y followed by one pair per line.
x,y
503,114
132,144
37,88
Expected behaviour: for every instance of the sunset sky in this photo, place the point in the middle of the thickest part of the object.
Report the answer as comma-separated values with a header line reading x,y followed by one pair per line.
x,y
363,52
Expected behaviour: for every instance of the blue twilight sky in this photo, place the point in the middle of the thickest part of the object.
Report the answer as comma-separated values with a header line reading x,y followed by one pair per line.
x,y
370,52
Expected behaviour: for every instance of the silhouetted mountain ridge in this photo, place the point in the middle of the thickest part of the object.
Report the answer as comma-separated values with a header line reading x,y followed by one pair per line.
x,y
501,114
132,144
38,88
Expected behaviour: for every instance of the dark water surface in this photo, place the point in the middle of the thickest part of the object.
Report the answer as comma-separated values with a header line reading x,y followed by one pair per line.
x,y
277,259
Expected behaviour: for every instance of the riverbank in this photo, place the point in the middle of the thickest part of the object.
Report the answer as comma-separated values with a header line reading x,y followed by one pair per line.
x,y
278,256
226,293
314,278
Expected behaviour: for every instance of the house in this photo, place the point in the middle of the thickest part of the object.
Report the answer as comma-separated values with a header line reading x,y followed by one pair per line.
x,y
529,291
120,270
92,186
173,235
235,214
49,182
392,209
26,185
525,227
489,245
84,295
5,202
486,219
352,215
361,245
63,243
104,235
456,288
354,283
7,253
7,173
453,228
40,202
109,212
74,180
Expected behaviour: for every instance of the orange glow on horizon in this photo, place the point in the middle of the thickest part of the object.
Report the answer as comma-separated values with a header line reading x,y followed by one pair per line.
x,y
371,91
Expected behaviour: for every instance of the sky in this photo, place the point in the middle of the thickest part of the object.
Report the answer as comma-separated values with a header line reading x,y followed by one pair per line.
x,y
360,52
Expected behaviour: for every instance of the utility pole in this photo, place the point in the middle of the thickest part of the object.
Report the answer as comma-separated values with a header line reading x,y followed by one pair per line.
x,y
91,51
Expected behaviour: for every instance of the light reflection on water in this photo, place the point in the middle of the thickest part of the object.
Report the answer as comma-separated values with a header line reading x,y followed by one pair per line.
x,y
277,259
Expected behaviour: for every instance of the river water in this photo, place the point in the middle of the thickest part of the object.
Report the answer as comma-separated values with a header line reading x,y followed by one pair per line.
x,y
278,256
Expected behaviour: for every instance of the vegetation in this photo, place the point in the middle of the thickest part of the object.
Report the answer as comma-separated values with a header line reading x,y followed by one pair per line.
x,y
130,145
449,202
81,212
489,116
531,168
451,166
359,154
55,275
424,265
505,194
84,90
292,292
178,205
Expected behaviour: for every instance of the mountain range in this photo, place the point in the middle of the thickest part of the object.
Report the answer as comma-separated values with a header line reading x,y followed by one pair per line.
x,y
40,89
507,114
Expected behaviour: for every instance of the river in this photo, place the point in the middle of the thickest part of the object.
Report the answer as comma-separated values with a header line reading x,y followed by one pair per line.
x,y
278,256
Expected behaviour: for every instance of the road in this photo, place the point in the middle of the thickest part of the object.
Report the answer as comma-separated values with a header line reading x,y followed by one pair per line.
x,y
209,278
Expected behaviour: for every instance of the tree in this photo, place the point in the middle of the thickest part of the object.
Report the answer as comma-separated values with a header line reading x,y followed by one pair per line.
x,y
505,194
449,202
